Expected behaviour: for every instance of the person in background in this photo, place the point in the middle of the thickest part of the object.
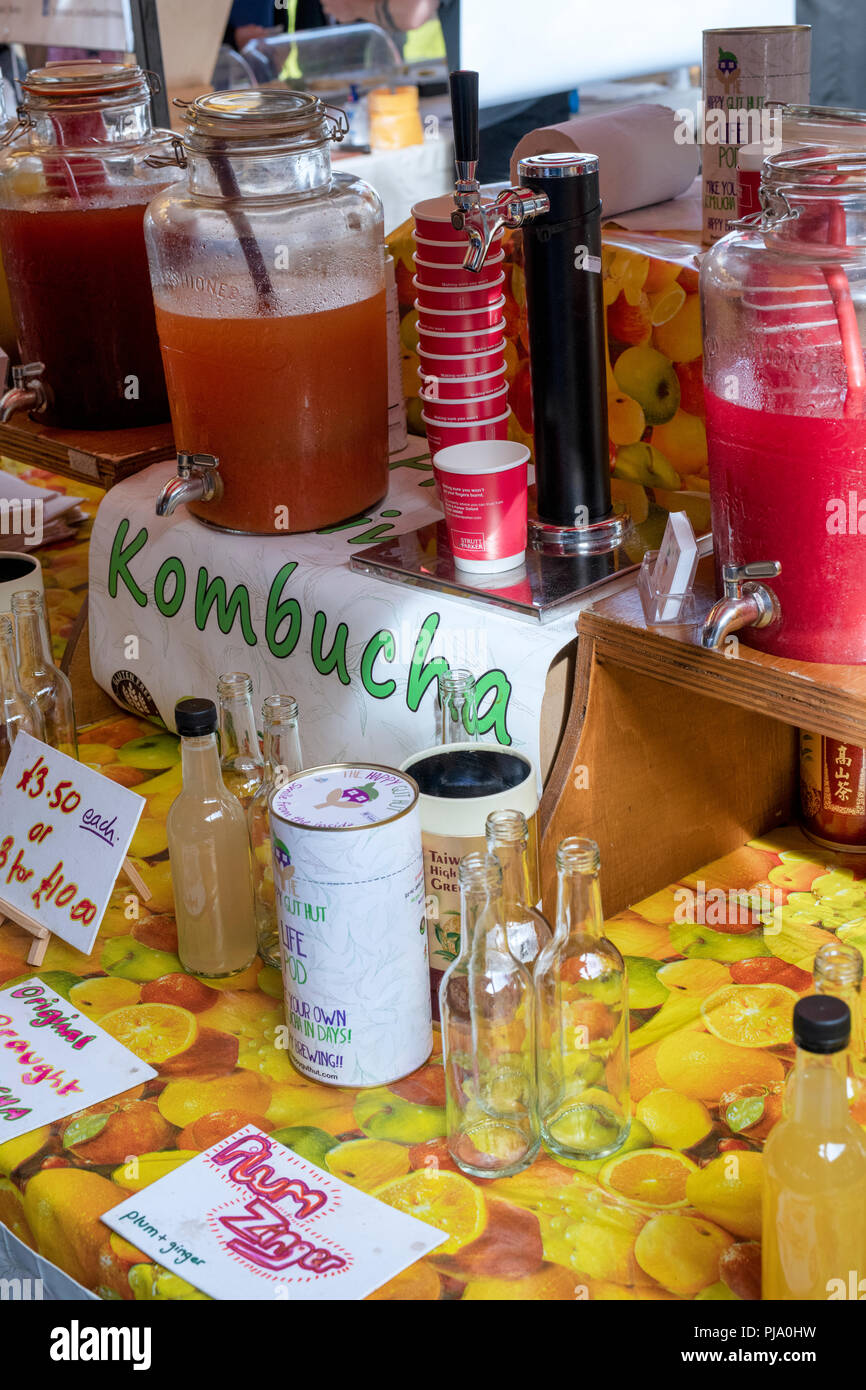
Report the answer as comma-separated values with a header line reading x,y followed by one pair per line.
x,y
252,19
501,126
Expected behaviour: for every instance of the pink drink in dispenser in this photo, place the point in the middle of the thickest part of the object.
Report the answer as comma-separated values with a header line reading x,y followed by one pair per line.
x,y
786,404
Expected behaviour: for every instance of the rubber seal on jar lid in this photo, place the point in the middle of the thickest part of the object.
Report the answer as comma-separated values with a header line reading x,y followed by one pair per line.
x,y
257,116
85,78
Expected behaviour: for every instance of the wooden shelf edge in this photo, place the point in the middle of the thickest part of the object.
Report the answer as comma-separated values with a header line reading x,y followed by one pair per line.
x,y
782,690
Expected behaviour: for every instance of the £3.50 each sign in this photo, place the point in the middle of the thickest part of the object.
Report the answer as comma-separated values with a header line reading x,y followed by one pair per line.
x,y
64,834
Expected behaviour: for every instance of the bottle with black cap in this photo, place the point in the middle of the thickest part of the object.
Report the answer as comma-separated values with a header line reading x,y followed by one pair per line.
x,y
814,1200
209,848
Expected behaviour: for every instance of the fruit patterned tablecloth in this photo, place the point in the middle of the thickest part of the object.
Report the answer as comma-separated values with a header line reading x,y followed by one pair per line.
x,y
64,566
715,966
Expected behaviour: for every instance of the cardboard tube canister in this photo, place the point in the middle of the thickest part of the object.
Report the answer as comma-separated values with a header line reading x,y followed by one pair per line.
x,y
461,783
743,71
349,881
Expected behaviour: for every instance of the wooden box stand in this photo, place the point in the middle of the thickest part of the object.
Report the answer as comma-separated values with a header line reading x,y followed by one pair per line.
x,y
674,756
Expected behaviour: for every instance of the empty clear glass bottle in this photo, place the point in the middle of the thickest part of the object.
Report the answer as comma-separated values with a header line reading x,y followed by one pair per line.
x,y
838,971
240,758
457,701
282,750
209,849
508,839
486,1006
582,1018
40,678
17,710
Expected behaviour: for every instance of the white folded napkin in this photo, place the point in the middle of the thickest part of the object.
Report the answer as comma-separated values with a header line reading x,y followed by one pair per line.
x,y
33,516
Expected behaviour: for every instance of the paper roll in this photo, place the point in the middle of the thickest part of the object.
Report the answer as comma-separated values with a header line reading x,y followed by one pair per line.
x,y
639,161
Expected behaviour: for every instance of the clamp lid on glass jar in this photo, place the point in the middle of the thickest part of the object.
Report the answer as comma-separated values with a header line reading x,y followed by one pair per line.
x,y
784,298
269,280
74,182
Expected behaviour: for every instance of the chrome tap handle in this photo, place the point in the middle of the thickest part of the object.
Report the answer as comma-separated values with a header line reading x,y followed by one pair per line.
x,y
735,577
26,372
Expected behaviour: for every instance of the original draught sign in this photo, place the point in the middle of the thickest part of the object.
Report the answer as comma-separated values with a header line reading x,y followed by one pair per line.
x,y
349,875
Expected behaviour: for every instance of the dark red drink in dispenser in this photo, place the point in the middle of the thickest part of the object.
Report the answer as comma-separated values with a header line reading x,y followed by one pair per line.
x,y
786,403
73,189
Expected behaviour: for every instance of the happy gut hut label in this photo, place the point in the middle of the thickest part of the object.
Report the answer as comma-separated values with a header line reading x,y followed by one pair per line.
x,y
349,879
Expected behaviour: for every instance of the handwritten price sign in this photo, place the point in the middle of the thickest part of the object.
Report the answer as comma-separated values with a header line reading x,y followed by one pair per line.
x,y
64,834
248,1218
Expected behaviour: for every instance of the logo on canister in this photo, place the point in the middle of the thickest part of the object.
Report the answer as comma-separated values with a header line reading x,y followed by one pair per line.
x,y
349,878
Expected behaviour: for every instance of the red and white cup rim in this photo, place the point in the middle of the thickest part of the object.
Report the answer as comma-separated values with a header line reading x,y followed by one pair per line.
x,y
459,313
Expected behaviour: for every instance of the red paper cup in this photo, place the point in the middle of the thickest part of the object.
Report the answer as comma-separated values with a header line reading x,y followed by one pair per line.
x,y
462,364
455,343
451,297
443,275
450,253
433,220
437,387
460,320
442,434
483,486
485,407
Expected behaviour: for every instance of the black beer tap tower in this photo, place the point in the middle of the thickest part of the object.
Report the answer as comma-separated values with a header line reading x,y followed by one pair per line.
x,y
558,206
576,542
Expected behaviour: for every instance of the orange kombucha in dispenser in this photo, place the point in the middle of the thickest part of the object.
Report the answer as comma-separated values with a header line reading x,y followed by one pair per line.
x,y
268,280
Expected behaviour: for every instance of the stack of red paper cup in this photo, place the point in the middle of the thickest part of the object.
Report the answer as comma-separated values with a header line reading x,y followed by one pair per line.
x,y
461,328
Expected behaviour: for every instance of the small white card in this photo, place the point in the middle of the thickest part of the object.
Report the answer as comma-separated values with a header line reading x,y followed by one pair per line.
x,y
64,833
248,1218
674,570
54,1060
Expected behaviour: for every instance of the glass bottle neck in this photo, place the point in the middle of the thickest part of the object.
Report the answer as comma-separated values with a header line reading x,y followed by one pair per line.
x,y
282,748
514,860
8,660
34,645
278,173
578,905
459,717
481,925
202,776
237,729
820,1096
849,991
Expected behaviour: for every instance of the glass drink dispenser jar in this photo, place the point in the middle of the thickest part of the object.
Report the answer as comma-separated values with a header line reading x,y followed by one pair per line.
x,y
784,304
75,179
269,281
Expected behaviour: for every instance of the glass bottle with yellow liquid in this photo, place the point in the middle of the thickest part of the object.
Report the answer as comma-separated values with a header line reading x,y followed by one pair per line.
x,y
209,848
838,971
814,1201
240,758
582,1018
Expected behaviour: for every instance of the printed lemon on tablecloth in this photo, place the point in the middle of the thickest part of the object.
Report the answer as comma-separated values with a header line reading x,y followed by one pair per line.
x,y
652,1178
751,1015
728,1190
154,1032
447,1201
681,1252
